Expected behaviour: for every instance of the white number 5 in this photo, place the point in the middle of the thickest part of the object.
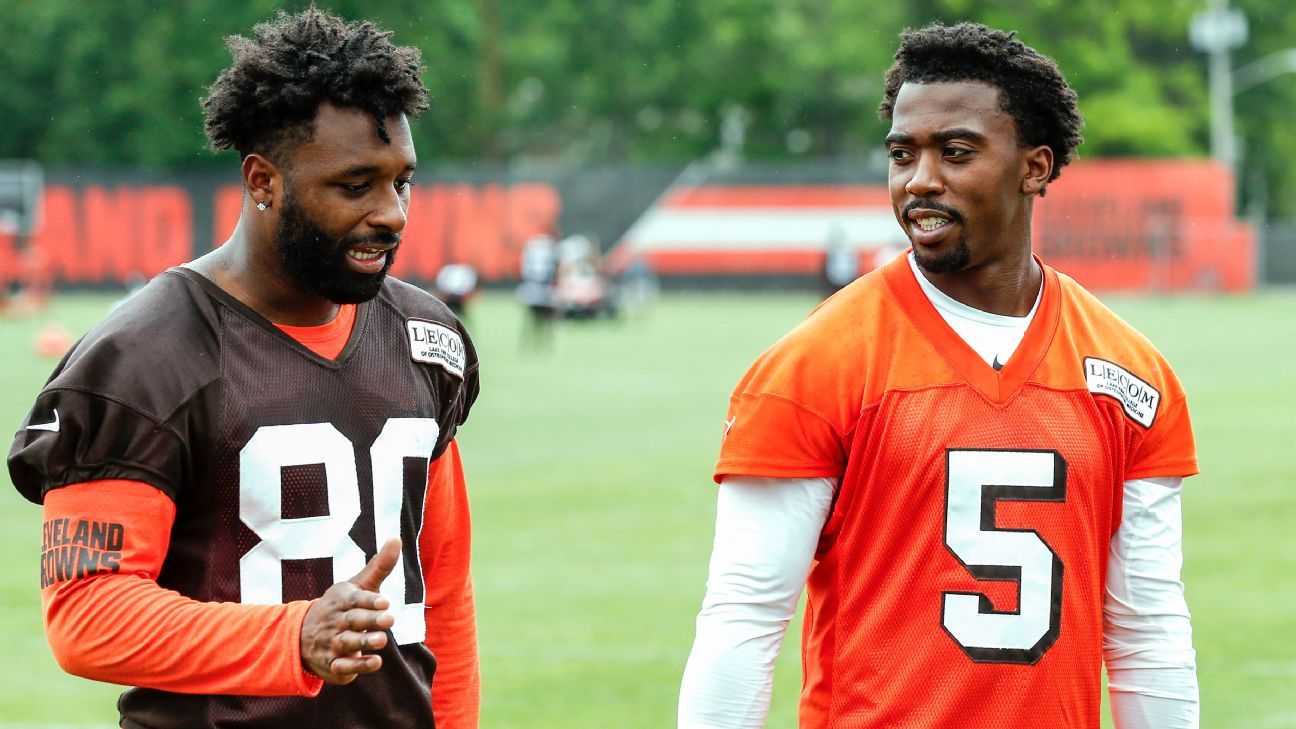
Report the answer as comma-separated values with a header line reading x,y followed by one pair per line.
x,y
975,481
274,447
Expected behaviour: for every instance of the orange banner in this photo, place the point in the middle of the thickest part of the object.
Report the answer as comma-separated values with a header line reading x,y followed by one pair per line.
x,y
102,234
1146,224
1112,224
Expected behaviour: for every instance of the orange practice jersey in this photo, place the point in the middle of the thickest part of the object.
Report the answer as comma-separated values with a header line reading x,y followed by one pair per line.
x,y
959,578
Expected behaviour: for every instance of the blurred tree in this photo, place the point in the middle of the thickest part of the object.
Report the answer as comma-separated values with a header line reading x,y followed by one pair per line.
x,y
1264,113
112,83
610,81
1140,90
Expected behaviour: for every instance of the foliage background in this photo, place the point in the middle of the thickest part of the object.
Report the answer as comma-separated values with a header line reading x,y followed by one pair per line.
x,y
579,82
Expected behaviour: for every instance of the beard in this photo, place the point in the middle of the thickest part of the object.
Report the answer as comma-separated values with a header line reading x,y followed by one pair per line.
x,y
955,259
317,261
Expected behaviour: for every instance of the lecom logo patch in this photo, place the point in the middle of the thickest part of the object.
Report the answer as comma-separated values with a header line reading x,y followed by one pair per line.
x,y
436,344
1139,399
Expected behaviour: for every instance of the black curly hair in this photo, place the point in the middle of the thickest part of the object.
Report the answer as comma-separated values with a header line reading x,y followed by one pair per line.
x,y
265,102
1032,89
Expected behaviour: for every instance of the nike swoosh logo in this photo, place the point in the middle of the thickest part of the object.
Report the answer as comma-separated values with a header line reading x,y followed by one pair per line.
x,y
729,424
51,427
997,365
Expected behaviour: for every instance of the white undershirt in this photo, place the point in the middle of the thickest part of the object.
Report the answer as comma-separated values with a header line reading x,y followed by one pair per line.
x,y
992,336
767,530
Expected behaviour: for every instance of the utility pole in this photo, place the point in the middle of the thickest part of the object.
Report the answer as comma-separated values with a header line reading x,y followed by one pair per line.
x,y
1217,31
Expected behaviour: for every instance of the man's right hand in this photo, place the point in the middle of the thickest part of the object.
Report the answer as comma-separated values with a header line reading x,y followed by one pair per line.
x,y
348,619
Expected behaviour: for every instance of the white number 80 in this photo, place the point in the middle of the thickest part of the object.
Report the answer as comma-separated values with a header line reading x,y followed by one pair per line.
x,y
274,447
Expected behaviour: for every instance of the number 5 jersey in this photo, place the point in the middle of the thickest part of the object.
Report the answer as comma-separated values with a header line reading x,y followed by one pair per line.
x,y
959,578
286,471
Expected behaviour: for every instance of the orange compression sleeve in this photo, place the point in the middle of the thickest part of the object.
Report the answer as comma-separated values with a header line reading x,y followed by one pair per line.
x,y
107,619
445,548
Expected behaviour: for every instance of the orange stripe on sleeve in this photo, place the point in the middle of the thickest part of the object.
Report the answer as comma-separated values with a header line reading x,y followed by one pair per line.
x,y
445,547
107,619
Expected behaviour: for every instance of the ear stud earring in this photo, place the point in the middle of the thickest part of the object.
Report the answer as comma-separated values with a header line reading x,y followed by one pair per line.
x,y
263,206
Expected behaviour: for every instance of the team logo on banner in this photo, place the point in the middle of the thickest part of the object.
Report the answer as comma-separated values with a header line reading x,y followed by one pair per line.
x,y
1139,399
436,344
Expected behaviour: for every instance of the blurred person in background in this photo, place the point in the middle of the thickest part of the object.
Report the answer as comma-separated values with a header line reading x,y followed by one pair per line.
x,y
639,287
456,284
6,283
38,278
841,262
574,249
234,524
25,287
581,288
538,270
971,464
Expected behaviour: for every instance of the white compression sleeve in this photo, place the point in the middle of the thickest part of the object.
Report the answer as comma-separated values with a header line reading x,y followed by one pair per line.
x,y
766,533
1147,635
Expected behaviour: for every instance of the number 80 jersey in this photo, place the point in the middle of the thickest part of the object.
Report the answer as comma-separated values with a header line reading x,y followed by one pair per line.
x,y
287,469
959,578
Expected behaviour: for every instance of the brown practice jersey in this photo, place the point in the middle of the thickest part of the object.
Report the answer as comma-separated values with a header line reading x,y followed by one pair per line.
x,y
287,469
958,581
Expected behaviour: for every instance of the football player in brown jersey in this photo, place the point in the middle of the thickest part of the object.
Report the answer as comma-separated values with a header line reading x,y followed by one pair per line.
x,y
255,512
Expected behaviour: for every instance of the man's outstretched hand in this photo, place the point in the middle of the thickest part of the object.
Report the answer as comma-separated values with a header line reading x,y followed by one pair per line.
x,y
348,619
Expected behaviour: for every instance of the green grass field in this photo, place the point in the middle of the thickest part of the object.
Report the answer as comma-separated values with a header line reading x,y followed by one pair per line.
x,y
590,465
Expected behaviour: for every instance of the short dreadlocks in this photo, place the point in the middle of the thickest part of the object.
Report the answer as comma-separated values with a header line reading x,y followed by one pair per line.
x,y
267,99
1032,89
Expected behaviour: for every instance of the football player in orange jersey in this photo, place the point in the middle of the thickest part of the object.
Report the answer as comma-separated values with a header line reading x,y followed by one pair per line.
x,y
971,465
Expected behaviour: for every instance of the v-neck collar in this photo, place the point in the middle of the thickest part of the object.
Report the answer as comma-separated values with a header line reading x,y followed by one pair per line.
x,y
247,312
1000,386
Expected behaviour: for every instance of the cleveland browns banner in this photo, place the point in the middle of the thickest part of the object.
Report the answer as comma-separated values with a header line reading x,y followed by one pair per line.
x,y
1143,224
1113,225
99,234
1136,224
